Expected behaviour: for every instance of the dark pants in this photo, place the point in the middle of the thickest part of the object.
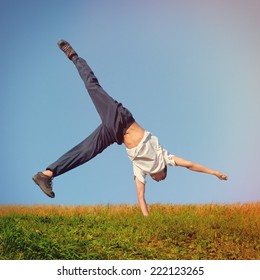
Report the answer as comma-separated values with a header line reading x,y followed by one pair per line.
x,y
115,121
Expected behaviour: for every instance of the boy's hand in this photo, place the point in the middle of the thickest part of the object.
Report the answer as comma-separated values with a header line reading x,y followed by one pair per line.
x,y
221,176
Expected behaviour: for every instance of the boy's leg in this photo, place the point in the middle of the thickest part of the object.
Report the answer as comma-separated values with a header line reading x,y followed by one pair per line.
x,y
83,152
105,105
112,113
114,116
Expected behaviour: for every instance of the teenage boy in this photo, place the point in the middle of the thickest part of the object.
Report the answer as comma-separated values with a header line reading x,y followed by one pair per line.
x,y
117,126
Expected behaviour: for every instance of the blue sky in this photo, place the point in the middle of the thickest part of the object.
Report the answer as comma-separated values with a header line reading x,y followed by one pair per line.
x,y
187,70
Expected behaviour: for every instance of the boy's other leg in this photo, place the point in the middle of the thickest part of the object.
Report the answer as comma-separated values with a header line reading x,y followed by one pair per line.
x,y
93,145
80,154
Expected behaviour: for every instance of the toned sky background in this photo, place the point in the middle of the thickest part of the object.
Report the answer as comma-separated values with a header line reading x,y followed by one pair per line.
x,y
187,70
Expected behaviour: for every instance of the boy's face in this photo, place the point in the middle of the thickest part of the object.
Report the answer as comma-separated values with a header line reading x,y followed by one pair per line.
x,y
159,176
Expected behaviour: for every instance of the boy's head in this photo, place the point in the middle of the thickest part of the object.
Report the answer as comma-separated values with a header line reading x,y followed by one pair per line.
x,y
161,175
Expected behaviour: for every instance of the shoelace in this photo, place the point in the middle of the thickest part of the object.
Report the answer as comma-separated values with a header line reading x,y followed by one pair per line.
x,y
50,182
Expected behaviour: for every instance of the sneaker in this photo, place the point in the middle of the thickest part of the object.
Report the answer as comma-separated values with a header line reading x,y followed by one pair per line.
x,y
45,183
67,49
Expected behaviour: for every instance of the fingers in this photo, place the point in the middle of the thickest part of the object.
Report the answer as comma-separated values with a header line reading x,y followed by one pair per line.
x,y
221,176
224,177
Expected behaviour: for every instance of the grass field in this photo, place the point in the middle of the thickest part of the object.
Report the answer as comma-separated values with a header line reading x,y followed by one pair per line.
x,y
219,232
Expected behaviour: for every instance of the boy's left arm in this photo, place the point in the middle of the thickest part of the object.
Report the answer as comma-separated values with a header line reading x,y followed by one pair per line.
x,y
198,167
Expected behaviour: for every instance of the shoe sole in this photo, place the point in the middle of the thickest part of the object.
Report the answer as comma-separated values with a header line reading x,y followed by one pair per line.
x,y
52,195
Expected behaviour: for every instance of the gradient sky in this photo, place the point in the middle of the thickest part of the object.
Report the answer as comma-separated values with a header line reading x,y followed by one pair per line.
x,y
187,70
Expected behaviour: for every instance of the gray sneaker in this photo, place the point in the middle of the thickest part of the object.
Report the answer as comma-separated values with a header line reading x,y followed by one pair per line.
x,y
67,49
45,183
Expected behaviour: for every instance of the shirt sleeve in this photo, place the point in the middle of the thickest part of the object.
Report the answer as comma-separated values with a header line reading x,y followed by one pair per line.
x,y
139,174
168,158
171,160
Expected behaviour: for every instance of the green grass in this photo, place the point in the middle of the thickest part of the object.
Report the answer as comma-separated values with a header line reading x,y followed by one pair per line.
x,y
121,232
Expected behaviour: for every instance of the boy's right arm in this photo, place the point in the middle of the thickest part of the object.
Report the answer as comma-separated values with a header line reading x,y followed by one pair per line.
x,y
140,187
